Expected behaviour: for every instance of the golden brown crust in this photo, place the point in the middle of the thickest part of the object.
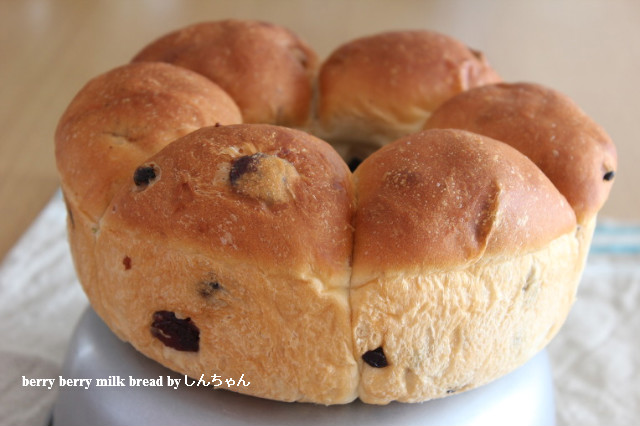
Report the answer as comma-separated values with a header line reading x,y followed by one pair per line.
x,y
121,117
443,198
548,127
278,311
265,68
194,176
377,88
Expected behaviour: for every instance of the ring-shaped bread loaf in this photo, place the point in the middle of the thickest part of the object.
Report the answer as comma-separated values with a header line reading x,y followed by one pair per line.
x,y
217,241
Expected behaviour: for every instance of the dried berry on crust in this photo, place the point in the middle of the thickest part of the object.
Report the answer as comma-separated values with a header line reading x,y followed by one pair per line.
x,y
376,358
179,334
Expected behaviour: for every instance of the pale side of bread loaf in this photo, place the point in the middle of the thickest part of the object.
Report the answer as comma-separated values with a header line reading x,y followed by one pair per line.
x,y
267,69
287,333
444,332
378,88
264,278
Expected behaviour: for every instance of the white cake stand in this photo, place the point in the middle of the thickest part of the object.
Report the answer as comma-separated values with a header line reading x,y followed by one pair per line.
x,y
523,397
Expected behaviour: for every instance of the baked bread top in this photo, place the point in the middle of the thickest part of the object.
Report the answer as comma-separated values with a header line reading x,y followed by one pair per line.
x,y
548,127
267,195
120,118
265,68
443,199
378,88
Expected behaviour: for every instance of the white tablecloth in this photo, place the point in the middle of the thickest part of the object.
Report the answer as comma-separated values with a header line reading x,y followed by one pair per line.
x,y
595,357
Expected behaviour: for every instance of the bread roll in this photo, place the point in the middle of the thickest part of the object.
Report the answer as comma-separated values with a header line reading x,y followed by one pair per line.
x,y
121,117
246,232
375,89
464,265
569,147
573,151
115,122
265,68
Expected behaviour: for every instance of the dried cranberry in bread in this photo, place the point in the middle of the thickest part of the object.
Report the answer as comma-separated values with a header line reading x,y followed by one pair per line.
x,y
463,265
265,68
375,89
